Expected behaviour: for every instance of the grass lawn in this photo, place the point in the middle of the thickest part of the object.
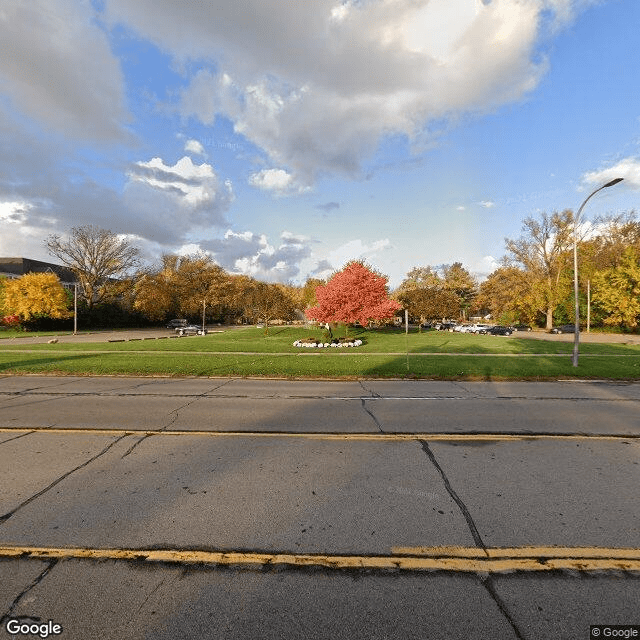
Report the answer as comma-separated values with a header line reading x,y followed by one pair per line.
x,y
386,353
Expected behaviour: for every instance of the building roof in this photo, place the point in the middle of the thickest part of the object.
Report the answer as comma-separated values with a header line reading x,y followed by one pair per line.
x,y
16,267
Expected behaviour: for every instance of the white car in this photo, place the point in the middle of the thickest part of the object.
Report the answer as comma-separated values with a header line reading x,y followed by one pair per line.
x,y
479,328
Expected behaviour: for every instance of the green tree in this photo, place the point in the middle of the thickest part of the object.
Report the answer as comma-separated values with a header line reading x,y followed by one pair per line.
x,y
616,233
308,298
543,252
458,280
422,277
616,291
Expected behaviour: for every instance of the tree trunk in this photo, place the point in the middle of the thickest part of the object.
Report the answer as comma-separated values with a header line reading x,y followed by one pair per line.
x,y
549,318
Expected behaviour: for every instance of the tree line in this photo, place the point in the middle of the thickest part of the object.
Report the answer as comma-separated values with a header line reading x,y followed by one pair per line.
x,y
114,289
532,285
534,282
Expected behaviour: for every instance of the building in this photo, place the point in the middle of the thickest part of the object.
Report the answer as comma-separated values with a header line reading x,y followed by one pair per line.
x,y
16,267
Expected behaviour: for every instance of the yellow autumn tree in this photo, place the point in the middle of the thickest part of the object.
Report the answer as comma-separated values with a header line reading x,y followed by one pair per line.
x,y
36,295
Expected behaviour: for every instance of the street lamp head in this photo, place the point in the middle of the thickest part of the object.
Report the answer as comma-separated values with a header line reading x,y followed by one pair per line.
x,y
610,184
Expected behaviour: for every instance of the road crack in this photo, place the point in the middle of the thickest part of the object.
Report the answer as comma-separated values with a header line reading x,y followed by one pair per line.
x,y
7,515
34,583
173,420
485,580
488,584
372,393
22,435
364,406
477,538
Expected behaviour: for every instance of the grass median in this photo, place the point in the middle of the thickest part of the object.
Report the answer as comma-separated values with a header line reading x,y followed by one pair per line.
x,y
385,353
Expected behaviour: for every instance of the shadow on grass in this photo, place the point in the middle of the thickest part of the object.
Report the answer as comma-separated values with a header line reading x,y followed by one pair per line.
x,y
41,363
497,367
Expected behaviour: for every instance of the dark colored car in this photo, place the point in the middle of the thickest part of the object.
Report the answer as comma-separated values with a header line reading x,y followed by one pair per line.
x,y
177,322
499,330
565,328
191,330
445,326
521,327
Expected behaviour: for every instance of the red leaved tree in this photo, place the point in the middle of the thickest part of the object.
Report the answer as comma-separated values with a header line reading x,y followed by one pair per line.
x,y
355,294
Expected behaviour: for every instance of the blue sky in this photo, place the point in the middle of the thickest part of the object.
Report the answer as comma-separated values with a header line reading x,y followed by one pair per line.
x,y
286,138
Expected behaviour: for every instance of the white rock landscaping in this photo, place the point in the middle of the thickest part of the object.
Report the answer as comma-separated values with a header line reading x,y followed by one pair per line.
x,y
316,344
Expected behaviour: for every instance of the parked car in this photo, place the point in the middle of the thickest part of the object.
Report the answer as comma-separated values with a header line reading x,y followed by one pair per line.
x,y
177,322
565,328
444,326
191,330
478,328
521,327
500,330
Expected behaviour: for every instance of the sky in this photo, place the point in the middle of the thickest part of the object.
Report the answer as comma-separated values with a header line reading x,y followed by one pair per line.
x,y
286,137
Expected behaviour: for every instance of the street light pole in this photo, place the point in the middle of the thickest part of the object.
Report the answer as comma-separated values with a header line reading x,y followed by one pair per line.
x,y
75,309
576,335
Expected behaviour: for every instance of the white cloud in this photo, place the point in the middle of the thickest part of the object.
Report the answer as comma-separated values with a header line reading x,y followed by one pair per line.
x,y
316,85
628,168
14,212
193,146
57,67
356,250
192,185
278,181
486,266
253,255
487,204
171,201
22,231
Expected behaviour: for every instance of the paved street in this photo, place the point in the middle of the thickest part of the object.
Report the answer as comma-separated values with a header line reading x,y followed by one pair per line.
x,y
242,508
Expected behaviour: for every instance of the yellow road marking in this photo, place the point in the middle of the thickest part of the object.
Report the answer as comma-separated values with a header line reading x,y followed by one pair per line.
x,y
464,560
444,437
522,552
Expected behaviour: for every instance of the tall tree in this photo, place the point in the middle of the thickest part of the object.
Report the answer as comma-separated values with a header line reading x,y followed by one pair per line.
x,y
98,257
356,293
543,252
266,302
35,295
183,285
308,298
422,277
429,302
617,291
509,296
461,282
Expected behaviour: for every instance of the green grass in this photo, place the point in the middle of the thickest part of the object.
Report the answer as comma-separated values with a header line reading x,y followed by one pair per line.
x,y
384,354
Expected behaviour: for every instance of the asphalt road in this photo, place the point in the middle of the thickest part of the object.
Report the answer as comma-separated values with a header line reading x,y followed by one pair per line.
x,y
239,508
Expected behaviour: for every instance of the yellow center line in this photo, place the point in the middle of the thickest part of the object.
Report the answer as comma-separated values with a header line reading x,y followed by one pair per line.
x,y
438,559
522,552
445,437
